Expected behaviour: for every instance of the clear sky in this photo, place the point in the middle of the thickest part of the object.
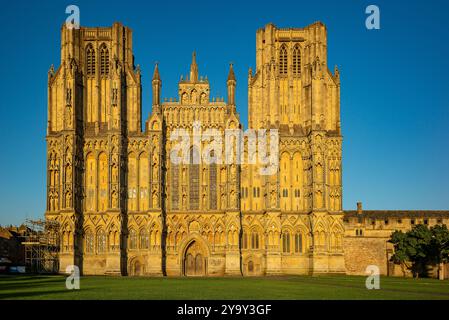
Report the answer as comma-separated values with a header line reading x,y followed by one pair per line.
x,y
394,84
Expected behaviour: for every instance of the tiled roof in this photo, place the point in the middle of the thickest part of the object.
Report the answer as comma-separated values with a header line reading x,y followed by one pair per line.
x,y
397,214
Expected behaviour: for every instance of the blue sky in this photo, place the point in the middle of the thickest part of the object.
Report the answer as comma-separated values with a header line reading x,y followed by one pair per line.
x,y
394,95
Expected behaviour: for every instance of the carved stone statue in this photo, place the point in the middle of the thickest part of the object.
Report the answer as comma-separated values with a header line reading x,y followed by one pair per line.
x,y
115,116
114,199
114,96
68,97
184,175
223,201
68,200
233,173
155,171
155,200
69,116
233,199
223,175
68,177
56,202
204,202
273,198
194,97
184,201
114,173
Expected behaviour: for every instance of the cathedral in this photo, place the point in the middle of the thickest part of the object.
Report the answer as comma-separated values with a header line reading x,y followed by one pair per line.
x,y
125,207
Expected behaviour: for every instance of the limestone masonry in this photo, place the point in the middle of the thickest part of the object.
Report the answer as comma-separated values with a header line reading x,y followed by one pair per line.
x,y
125,208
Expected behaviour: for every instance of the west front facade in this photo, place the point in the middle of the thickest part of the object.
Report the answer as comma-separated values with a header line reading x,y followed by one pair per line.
x,y
124,205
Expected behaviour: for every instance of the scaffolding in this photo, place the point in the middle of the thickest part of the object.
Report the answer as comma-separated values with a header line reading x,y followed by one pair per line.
x,y
41,244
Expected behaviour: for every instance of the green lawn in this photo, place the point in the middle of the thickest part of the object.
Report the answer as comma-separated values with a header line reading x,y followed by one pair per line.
x,y
292,287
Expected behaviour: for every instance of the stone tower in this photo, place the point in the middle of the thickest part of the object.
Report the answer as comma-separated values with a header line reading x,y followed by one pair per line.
x,y
93,106
293,91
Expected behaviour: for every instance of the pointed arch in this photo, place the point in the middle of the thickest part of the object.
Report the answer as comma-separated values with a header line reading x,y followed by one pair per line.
x,y
90,60
144,179
174,179
299,242
101,241
194,179
132,181
88,241
255,238
194,96
336,237
297,60
104,60
103,174
91,182
285,183
283,62
132,239
297,181
144,238
213,185
154,235
113,237
286,240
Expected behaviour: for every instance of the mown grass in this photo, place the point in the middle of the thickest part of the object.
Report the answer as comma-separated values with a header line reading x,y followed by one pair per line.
x,y
291,287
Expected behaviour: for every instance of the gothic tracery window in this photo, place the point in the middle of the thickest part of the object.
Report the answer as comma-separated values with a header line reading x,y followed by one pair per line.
x,y
132,182
296,61
245,240
213,186
255,240
132,239
104,60
89,242
174,186
144,239
103,180
283,61
298,242
101,241
90,60
91,182
194,178
286,242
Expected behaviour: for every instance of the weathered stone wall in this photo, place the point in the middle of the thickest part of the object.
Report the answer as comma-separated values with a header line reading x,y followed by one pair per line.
x,y
361,252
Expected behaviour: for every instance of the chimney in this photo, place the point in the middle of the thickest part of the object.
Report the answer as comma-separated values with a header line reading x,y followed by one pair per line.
x,y
359,208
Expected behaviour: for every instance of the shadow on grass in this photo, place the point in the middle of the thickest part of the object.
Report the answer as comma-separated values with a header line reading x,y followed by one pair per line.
x,y
28,285
59,294
4,277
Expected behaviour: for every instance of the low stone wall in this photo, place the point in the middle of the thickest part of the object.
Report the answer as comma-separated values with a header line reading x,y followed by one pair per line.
x,y
361,252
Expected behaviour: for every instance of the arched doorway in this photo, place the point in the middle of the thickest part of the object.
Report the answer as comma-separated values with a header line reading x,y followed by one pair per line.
x,y
137,268
194,260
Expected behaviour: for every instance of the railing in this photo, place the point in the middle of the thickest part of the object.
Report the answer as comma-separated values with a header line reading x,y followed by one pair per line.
x,y
97,33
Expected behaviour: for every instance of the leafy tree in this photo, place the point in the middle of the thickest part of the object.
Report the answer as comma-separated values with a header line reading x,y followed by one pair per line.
x,y
401,250
420,247
439,247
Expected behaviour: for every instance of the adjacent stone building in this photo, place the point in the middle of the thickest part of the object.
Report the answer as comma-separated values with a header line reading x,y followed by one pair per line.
x,y
125,207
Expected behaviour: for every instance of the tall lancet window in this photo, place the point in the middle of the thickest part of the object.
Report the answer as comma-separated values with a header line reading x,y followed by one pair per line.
x,y
104,60
297,61
213,184
194,178
174,186
90,60
283,60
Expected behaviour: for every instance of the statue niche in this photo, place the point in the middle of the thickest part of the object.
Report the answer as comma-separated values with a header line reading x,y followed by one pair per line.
x,y
203,98
194,96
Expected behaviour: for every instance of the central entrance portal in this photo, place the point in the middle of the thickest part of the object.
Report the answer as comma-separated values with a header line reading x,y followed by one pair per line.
x,y
194,261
